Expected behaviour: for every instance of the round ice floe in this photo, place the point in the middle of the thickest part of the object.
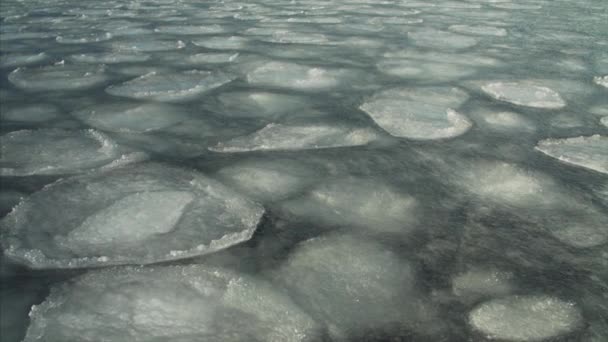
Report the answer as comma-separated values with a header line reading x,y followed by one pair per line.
x,y
525,318
525,94
479,30
222,43
57,77
109,57
170,86
81,38
291,75
601,80
130,117
258,104
360,203
138,214
480,282
14,60
55,151
267,181
298,137
589,152
176,303
419,113
31,113
353,285
441,39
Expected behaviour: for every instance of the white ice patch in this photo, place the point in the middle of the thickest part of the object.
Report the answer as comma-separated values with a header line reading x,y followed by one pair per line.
x,y
437,39
525,318
506,121
590,152
222,43
170,86
604,121
479,30
294,37
601,80
295,76
133,118
55,152
481,282
137,214
190,29
35,113
147,45
425,113
298,137
361,203
175,303
57,77
109,57
84,37
354,285
525,94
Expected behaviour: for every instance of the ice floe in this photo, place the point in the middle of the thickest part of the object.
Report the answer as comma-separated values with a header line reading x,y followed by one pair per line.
x,y
525,318
190,29
177,303
170,86
296,76
601,80
357,202
58,77
259,104
137,214
147,45
604,121
109,57
222,43
438,39
56,152
478,283
277,136
424,113
21,59
504,121
82,38
590,152
525,93
479,30
380,286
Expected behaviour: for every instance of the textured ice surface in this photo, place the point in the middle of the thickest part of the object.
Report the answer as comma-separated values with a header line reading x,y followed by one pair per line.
x,y
525,94
424,113
295,76
57,77
82,38
479,30
267,181
505,121
175,303
477,283
56,152
109,57
137,214
170,86
604,121
21,59
259,104
298,137
525,318
353,285
601,80
131,117
35,113
590,152
147,45
437,39
222,43
360,203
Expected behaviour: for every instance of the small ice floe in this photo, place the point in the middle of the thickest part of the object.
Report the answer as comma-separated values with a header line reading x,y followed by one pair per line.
x,y
295,76
259,104
479,282
307,136
109,57
57,152
438,39
170,87
601,80
137,214
176,303
424,113
58,77
589,152
525,93
222,43
145,44
190,29
525,318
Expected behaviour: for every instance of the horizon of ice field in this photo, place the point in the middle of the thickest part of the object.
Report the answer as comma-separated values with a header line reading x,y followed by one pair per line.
x,y
304,170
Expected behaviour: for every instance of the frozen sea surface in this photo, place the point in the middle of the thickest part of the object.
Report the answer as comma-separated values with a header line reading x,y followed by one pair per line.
x,y
305,170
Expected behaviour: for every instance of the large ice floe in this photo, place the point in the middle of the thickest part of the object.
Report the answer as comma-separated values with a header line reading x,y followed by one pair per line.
x,y
590,152
424,113
58,77
174,303
170,86
299,136
356,286
525,318
138,214
360,203
57,151
524,93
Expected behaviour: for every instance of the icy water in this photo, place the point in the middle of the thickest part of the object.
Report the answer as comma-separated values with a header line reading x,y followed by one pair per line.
x,y
304,170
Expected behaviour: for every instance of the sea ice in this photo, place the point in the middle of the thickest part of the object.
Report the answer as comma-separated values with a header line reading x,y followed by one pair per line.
x,y
276,136
21,59
604,121
147,45
190,29
296,76
525,94
35,113
56,152
424,113
170,86
437,39
354,285
477,283
361,203
222,43
173,303
590,152
259,104
138,214
525,318
57,77
601,80
479,30
131,117
505,121
109,57
84,37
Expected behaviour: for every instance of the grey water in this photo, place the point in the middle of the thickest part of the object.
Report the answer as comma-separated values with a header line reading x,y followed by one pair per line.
x,y
304,170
